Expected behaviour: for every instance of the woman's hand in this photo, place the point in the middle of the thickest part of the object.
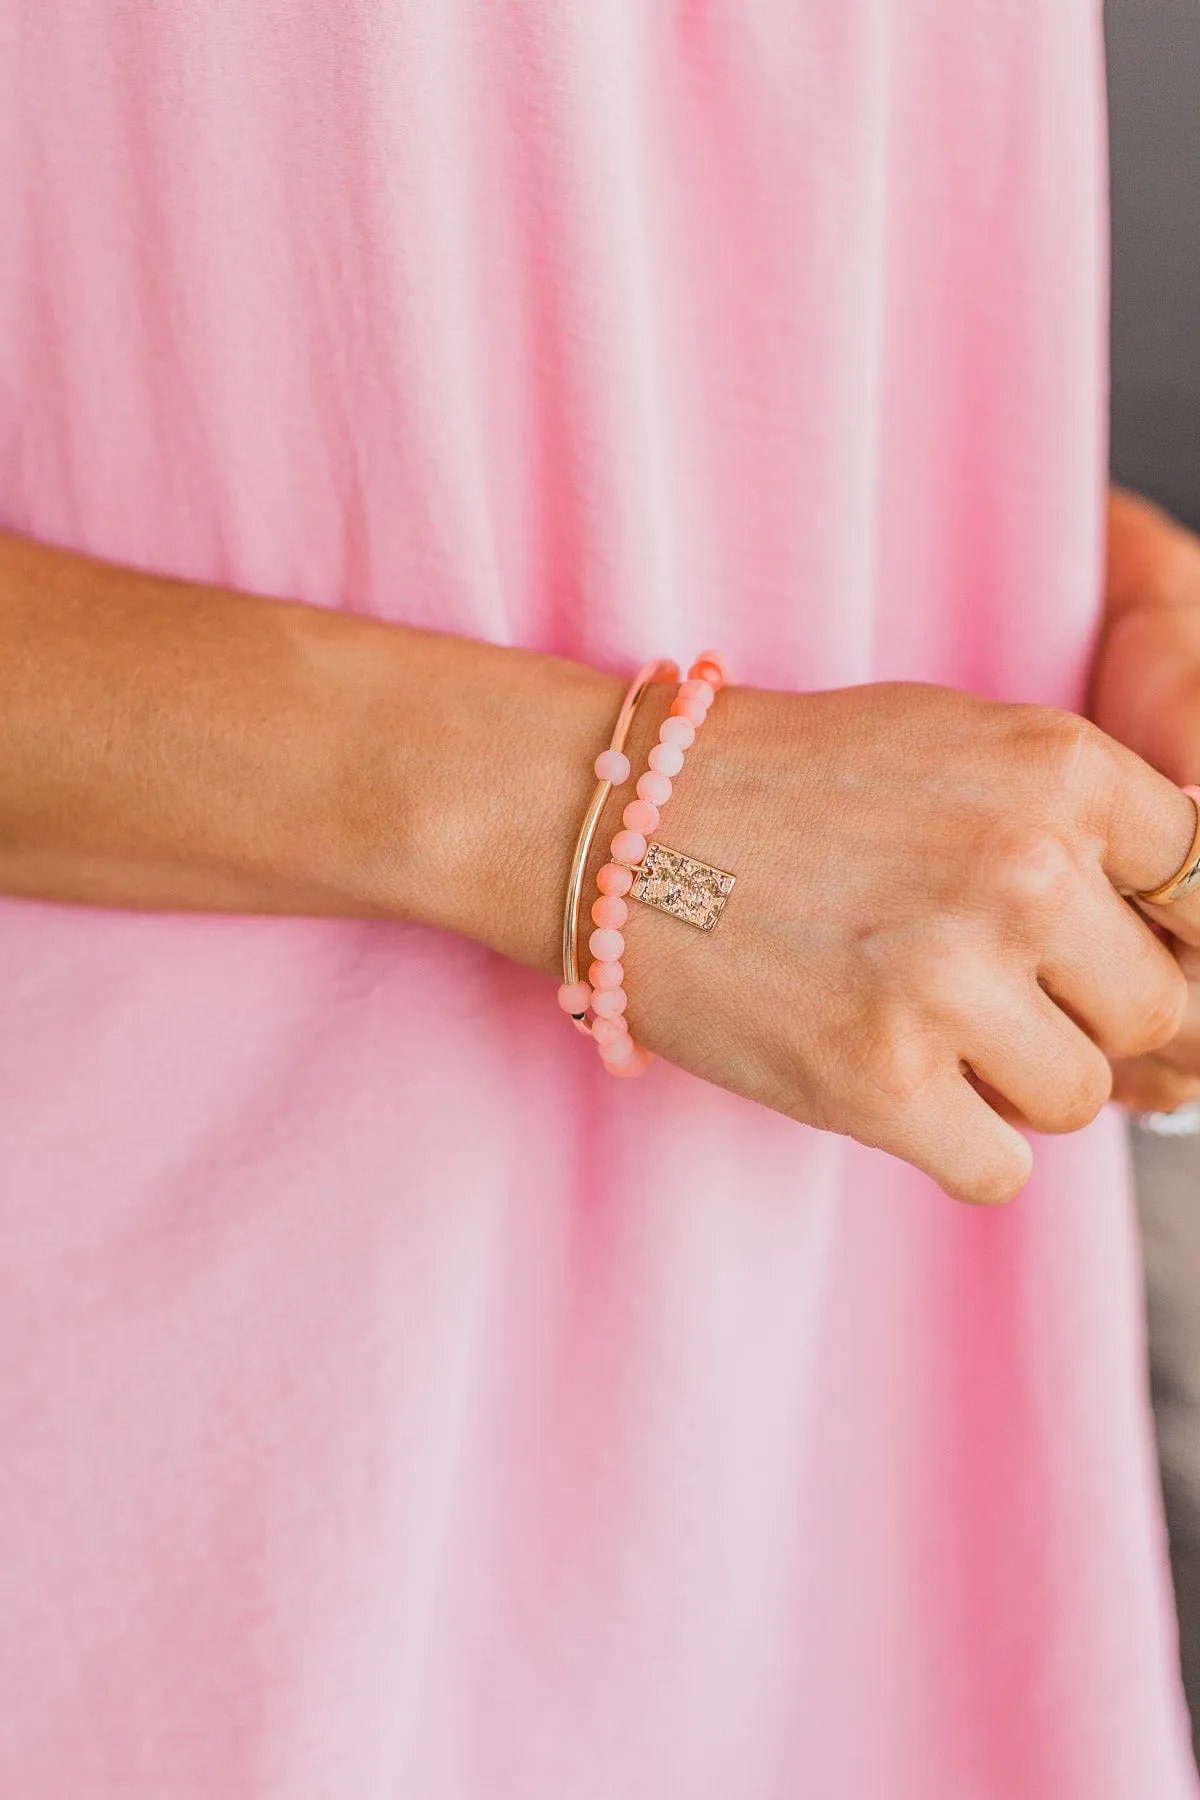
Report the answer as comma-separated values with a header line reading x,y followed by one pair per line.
x,y
1146,693
925,907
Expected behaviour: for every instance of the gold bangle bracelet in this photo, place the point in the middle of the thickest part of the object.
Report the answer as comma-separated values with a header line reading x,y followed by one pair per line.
x,y
646,676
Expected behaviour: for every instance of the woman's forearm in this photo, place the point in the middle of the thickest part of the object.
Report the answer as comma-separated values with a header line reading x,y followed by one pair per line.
x,y
167,746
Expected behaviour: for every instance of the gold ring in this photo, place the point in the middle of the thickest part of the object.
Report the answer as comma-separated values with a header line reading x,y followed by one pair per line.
x,y
1187,875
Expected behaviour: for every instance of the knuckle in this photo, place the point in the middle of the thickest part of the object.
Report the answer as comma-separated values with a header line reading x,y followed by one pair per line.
x,y
939,965
1069,752
891,1064
948,972
1032,868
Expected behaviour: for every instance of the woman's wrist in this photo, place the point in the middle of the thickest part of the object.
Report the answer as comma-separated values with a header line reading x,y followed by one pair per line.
x,y
489,794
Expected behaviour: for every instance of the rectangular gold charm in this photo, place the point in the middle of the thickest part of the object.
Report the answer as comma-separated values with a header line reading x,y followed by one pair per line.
x,y
677,884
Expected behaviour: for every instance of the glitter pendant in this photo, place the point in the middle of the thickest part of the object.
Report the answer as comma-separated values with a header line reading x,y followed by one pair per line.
x,y
677,884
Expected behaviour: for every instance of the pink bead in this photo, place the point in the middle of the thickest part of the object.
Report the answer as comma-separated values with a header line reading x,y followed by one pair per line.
x,y
609,1031
715,660
630,846
605,976
637,1064
666,759
697,690
575,998
610,911
610,1003
691,710
675,730
642,816
619,1050
655,787
606,945
612,765
613,879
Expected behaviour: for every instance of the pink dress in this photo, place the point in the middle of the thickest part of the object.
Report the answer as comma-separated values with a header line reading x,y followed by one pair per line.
x,y
387,1418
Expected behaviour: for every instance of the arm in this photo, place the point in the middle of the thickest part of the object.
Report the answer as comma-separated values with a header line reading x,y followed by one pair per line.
x,y
913,936
169,746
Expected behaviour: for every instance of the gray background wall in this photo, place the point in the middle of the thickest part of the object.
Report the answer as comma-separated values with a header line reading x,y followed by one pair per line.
x,y
1154,102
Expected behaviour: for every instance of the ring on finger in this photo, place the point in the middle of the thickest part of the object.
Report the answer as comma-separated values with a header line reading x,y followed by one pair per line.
x,y
1187,875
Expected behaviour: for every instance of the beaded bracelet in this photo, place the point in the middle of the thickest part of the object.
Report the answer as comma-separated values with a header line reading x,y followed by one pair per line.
x,y
611,769
640,868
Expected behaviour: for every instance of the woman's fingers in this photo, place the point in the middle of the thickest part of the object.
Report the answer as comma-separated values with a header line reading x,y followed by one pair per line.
x,y
1139,1002
1148,826
1182,1051
1040,1062
1170,1077
951,1133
